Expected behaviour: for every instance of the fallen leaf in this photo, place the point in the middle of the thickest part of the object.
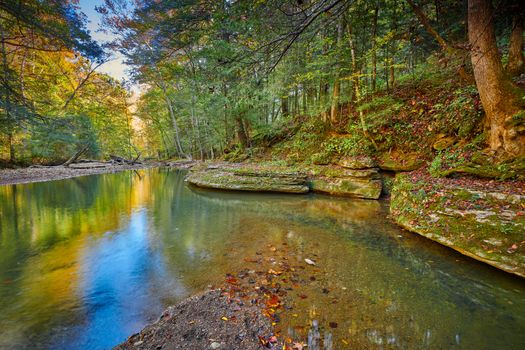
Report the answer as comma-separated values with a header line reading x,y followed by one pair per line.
x,y
273,302
231,280
224,318
263,341
298,346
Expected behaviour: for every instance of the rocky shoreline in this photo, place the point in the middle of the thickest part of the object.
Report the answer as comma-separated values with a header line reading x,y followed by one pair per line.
x,y
479,218
487,225
350,178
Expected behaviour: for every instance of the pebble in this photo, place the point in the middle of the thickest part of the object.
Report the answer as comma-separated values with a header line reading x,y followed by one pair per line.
x,y
309,262
215,345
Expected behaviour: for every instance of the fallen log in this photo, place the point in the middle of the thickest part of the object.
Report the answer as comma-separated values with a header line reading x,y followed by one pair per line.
x,y
120,160
76,156
90,165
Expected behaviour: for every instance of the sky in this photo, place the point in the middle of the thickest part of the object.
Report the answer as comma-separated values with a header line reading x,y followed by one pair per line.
x,y
115,67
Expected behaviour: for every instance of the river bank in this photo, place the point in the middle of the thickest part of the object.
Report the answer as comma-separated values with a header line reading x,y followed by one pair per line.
x,y
50,173
210,320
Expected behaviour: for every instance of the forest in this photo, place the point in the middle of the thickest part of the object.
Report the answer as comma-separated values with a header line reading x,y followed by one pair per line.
x,y
235,78
273,174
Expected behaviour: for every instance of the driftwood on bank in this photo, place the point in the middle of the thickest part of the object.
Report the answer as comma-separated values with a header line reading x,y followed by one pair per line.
x,y
120,160
76,156
75,163
89,165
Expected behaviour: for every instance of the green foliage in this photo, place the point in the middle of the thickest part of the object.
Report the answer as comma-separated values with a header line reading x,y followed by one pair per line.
x,y
460,113
62,139
353,145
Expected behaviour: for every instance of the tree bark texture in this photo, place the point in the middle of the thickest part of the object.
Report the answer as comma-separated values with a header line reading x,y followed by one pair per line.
x,y
495,89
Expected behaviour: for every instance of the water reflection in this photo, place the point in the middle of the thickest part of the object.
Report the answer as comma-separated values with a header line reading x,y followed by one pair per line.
x,y
88,261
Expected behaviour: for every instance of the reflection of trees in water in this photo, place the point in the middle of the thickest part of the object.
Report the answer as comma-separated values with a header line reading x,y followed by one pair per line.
x,y
44,229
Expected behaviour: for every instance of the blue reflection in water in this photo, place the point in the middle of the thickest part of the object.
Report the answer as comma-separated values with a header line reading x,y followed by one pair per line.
x,y
117,273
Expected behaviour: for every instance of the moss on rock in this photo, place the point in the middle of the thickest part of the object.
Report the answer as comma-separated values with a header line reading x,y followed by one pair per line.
x,y
248,180
400,163
487,226
348,187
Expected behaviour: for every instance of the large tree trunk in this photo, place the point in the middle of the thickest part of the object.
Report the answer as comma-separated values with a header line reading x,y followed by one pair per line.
x,y
499,102
357,89
516,64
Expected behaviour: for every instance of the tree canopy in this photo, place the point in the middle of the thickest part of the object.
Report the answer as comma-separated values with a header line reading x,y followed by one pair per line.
x,y
234,76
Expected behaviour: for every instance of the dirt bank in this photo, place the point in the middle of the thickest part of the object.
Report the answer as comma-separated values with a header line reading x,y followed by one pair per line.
x,y
210,320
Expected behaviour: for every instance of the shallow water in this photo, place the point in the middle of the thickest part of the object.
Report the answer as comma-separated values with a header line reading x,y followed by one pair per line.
x,y
86,262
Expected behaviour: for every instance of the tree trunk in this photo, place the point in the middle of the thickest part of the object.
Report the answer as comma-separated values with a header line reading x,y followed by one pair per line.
x,y
498,100
374,48
334,108
284,106
392,77
12,155
393,50
76,156
241,132
305,105
357,89
516,64
452,53
7,101
423,19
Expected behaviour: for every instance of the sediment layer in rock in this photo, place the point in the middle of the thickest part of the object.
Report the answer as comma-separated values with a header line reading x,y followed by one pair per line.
x,y
244,180
333,180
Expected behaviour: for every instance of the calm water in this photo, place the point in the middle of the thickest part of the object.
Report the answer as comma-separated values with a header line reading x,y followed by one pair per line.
x,y
86,262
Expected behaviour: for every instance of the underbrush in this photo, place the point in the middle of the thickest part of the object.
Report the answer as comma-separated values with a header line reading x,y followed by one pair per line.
x,y
429,115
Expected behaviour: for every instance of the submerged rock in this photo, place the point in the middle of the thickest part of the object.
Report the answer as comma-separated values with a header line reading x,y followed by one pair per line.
x,y
225,178
487,226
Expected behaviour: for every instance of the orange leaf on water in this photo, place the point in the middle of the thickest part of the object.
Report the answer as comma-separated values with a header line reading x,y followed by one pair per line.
x,y
231,280
273,302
